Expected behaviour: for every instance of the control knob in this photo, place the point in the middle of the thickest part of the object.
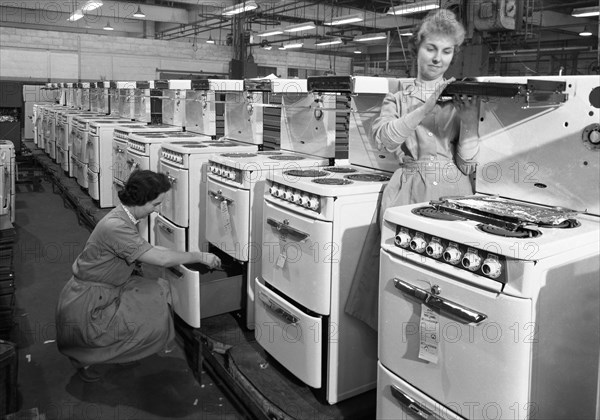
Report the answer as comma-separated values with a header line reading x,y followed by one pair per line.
x,y
297,198
313,203
272,189
491,267
471,260
452,255
418,244
434,249
402,239
288,195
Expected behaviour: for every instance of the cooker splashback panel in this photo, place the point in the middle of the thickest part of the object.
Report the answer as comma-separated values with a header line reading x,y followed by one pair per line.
x,y
547,154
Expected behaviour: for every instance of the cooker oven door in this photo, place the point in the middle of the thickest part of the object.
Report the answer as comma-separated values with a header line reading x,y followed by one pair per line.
x,y
484,337
396,399
119,160
296,256
293,337
228,218
78,144
168,234
80,172
92,152
136,161
175,205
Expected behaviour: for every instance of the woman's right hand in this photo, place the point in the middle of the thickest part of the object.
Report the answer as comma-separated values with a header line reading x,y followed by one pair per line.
x,y
433,98
211,260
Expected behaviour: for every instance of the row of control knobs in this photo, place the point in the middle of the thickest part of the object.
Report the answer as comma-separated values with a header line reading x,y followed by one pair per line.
x,y
452,254
172,156
222,171
294,196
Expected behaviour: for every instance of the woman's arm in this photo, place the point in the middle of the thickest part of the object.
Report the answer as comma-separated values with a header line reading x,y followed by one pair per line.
x,y
392,128
164,257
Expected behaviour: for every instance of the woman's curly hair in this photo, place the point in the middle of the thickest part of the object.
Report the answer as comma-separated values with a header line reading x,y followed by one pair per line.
x,y
439,22
143,186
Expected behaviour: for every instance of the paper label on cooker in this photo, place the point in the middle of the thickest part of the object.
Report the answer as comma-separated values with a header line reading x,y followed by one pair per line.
x,y
225,219
282,255
429,333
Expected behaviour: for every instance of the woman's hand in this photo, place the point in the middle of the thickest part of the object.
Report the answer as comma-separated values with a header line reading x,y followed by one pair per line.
x,y
435,95
211,260
468,109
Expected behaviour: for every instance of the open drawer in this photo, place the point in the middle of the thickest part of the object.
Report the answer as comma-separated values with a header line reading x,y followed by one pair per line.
x,y
201,293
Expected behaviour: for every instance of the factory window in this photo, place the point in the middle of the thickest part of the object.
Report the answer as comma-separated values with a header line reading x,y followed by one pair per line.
x,y
265,71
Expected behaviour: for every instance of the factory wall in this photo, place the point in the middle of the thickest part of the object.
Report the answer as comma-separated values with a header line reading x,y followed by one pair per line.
x,y
38,55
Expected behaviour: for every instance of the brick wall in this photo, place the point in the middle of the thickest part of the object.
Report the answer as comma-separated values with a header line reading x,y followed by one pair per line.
x,y
37,55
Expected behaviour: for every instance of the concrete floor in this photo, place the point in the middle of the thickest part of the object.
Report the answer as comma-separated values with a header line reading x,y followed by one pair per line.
x,y
162,386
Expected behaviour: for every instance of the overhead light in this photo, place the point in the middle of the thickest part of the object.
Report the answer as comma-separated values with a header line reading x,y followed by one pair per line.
x,y
357,52
210,40
370,37
267,47
271,32
342,20
331,41
77,14
585,32
281,47
108,27
240,8
417,7
406,34
586,11
293,45
91,5
138,13
305,26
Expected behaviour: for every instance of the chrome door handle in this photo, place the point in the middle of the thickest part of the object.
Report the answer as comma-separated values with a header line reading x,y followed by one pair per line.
x,y
172,179
284,227
278,309
412,405
453,309
219,196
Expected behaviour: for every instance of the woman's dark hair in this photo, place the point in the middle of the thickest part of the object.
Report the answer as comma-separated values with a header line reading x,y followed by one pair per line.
x,y
143,186
439,22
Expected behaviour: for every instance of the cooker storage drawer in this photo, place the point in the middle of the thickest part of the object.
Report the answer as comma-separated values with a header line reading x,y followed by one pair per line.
x,y
198,292
293,337
93,184
175,205
396,399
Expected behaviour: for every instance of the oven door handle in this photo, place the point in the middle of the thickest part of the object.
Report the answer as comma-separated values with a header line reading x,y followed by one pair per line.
x,y
285,228
453,309
219,196
278,309
413,405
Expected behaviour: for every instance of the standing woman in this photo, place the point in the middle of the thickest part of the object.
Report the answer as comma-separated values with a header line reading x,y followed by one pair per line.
x,y
436,142
105,314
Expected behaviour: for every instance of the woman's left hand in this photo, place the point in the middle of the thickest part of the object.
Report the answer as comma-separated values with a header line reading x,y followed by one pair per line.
x,y
468,108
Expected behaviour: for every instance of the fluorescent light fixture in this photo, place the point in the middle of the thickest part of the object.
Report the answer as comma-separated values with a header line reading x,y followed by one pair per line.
x,y
281,47
91,5
406,34
267,47
585,32
305,26
108,27
416,7
586,11
331,41
292,45
342,20
77,14
357,52
210,40
370,37
271,32
240,8
138,13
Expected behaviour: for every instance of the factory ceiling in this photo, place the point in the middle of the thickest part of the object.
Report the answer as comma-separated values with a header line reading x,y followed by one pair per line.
x,y
504,25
